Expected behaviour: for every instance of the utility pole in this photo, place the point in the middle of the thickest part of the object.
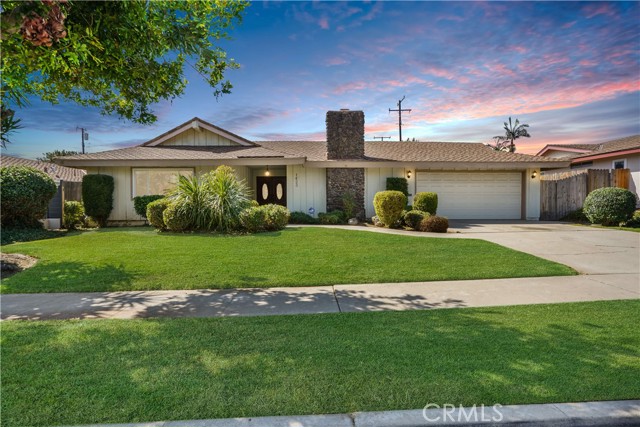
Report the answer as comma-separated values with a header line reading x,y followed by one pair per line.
x,y
381,137
400,110
85,136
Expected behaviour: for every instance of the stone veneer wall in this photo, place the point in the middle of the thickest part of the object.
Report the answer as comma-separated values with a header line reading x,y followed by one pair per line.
x,y
345,141
341,181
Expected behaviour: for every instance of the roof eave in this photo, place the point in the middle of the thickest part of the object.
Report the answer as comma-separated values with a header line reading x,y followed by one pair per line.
x,y
261,161
605,155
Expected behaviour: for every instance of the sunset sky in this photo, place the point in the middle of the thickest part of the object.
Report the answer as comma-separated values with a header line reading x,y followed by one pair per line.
x,y
570,70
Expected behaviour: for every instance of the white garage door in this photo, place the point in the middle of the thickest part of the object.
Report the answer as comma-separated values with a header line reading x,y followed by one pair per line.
x,y
474,195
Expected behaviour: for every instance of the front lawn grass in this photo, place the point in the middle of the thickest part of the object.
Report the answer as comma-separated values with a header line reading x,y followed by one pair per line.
x,y
109,371
142,259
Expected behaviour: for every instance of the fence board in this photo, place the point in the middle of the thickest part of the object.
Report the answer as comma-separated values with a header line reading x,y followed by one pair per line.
x,y
71,191
565,192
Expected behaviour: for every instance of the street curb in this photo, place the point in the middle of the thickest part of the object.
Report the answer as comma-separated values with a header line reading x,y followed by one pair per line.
x,y
583,414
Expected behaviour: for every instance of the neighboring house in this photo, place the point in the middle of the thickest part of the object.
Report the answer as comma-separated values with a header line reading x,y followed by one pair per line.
x,y
57,173
623,153
472,180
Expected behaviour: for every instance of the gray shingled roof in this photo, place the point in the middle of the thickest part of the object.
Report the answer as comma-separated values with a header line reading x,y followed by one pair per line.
x,y
57,172
620,144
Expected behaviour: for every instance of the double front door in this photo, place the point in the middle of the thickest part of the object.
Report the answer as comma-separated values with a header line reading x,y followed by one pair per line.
x,y
271,190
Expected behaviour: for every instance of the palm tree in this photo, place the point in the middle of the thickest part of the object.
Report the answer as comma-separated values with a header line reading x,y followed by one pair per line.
x,y
512,131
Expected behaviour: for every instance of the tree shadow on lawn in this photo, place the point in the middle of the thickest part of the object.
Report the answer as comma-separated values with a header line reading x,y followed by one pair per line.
x,y
150,370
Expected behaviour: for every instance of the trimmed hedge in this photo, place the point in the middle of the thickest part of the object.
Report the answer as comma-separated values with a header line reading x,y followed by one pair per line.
x,y
389,206
434,224
252,219
73,214
413,218
155,211
97,196
301,218
176,219
264,218
426,202
25,196
609,206
140,203
398,184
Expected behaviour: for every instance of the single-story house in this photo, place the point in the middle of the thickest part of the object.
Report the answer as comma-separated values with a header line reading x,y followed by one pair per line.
x,y
622,153
57,173
472,180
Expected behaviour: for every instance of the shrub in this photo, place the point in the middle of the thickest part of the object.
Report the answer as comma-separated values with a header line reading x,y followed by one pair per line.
x,y
155,211
609,206
12,235
575,216
634,222
349,205
413,218
426,202
226,197
140,203
388,206
301,218
253,219
398,184
434,224
73,214
26,193
188,198
176,218
97,196
276,217
332,218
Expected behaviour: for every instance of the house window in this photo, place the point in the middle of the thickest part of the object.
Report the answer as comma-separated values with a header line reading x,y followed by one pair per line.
x,y
148,181
619,164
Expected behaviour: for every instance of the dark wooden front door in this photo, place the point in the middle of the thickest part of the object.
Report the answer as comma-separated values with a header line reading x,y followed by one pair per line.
x,y
271,189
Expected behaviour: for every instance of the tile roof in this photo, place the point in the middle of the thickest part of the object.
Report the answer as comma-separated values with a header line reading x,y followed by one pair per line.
x,y
180,153
408,152
57,172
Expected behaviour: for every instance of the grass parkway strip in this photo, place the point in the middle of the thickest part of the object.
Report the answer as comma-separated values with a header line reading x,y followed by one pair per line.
x,y
142,259
108,371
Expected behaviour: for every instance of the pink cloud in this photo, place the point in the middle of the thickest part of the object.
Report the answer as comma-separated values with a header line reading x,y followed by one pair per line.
x,y
438,72
595,9
323,22
336,60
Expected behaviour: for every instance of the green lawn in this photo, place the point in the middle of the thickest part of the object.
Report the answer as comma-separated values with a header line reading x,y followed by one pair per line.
x,y
141,259
99,371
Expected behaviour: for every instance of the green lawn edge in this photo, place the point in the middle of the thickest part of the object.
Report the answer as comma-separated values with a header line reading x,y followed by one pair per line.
x,y
114,371
142,259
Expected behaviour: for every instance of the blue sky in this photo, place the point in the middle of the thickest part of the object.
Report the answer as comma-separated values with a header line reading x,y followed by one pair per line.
x,y
571,70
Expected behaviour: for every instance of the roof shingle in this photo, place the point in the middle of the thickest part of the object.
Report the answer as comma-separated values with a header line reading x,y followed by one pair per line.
x,y
56,172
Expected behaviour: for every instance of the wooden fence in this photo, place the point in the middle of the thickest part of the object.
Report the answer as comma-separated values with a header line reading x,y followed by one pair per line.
x,y
562,193
71,191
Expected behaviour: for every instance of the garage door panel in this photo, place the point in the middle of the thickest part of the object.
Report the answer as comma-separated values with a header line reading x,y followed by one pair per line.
x,y
474,195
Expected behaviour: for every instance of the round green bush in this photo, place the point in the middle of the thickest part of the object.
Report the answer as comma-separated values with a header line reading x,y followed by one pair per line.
x,y
426,202
155,211
276,217
253,219
389,206
434,224
609,206
413,218
25,196
140,203
73,214
97,196
176,219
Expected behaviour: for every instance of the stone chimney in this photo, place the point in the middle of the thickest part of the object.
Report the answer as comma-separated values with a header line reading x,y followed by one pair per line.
x,y
345,134
345,141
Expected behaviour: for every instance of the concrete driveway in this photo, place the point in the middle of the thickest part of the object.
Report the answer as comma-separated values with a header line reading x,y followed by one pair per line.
x,y
589,250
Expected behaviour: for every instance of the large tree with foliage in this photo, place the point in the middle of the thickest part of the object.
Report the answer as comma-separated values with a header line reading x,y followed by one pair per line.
x,y
50,155
512,131
119,56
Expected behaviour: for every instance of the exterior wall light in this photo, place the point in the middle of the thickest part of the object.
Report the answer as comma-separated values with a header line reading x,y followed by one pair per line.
x,y
267,173
408,174
534,174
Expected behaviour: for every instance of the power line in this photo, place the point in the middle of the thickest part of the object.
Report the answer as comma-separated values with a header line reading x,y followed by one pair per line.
x,y
400,110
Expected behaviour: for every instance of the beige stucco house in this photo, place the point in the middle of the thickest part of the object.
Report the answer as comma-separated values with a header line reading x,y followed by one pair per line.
x,y
472,180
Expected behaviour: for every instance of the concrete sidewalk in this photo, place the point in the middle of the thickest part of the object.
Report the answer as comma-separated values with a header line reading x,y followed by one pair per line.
x,y
322,299
612,413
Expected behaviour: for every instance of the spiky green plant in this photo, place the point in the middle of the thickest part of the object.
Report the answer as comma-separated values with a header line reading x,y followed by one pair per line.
x,y
188,199
226,198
